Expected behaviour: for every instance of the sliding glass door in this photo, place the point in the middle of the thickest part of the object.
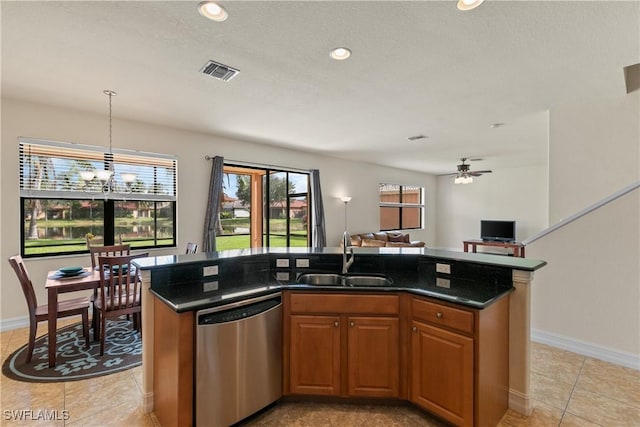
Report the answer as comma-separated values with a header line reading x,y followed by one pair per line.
x,y
286,203
263,207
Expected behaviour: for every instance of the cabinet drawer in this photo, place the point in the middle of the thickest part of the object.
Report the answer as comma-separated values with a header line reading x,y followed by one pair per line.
x,y
443,315
355,303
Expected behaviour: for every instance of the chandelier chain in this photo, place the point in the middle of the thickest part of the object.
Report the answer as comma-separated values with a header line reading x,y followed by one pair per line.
x,y
110,94
110,123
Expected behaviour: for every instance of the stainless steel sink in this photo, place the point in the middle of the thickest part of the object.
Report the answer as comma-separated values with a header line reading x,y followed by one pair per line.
x,y
367,281
330,279
321,279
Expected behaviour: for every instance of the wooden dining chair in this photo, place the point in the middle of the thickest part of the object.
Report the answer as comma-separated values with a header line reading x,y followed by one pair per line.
x,y
119,292
39,313
95,252
109,250
191,248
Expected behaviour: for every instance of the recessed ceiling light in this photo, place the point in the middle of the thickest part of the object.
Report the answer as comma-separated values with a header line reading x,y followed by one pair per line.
x,y
213,11
469,4
340,53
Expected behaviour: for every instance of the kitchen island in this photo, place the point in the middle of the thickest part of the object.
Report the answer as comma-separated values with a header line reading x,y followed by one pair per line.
x,y
474,302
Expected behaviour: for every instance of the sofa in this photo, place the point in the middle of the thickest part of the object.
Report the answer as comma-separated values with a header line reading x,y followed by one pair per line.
x,y
385,239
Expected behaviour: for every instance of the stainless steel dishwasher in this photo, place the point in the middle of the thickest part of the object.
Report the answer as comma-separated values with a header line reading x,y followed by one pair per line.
x,y
238,360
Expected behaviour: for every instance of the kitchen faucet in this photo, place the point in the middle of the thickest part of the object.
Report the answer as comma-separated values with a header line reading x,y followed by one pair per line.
x,y
346,247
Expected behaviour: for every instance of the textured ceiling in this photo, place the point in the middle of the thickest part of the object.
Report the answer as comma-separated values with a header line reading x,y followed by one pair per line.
x,y
418,67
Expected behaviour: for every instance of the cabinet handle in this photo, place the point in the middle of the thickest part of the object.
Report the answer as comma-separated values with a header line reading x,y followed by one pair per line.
x,y
439,315
414,329
352,324
336,324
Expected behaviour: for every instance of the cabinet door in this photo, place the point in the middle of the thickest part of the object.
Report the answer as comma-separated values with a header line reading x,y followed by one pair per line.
x,y
374,356
442,373
314,363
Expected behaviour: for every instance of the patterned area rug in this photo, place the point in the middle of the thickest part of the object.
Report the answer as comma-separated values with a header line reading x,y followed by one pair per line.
x,y
122,350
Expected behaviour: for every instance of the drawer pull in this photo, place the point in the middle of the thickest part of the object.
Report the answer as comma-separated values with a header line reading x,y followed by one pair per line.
x,y
439,315
414,329
336,324
352,324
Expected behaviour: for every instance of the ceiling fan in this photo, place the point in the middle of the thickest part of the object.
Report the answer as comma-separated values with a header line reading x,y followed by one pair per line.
x,y
464,174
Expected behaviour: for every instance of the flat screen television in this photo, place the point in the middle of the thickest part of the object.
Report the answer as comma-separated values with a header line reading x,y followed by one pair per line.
x,y
498,231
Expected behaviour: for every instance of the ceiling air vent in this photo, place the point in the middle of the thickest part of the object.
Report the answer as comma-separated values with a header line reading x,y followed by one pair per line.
x,y
219,71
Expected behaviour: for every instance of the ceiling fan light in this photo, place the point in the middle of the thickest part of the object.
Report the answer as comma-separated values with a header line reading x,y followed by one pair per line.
x,y
468,4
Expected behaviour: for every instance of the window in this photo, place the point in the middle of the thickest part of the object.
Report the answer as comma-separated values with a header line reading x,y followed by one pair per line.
x,y
401,207
263,208
59,209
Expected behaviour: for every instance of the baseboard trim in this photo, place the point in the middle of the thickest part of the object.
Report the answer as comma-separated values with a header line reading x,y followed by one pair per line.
x,y
519,402
596,351
147,402
14,323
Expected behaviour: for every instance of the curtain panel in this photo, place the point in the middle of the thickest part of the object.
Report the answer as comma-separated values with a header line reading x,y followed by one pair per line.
x,y
213,204
319,234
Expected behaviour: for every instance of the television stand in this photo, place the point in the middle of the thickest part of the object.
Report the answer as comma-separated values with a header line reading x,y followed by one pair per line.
x,y
518,248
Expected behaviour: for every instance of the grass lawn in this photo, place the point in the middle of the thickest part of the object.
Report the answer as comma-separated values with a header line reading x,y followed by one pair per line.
x,y
52,247
224,243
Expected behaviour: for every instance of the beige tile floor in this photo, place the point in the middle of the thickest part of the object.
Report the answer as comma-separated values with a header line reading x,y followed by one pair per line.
x,y
567,390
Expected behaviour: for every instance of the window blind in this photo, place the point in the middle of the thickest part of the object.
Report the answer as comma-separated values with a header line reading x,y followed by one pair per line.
x,y
400,195
51,169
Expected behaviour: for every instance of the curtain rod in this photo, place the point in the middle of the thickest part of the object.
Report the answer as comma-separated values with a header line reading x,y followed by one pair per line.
x,y
260,165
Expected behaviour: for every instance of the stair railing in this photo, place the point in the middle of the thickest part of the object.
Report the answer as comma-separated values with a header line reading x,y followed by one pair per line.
x,y
583,212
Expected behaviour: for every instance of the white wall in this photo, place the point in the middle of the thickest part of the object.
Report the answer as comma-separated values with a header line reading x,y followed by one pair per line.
x,y
588,296
518,194
338,178
594,151
587,299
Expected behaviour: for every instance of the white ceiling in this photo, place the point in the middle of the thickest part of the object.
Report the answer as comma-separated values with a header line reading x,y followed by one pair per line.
x,y
418,67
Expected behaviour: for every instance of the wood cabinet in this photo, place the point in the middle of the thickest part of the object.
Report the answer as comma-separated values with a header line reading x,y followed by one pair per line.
x,y
342,345
442,372
460,361
315,355
173,365
449,359
373,356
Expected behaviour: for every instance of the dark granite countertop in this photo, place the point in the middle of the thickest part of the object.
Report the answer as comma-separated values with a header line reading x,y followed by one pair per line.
x,y
471,293
516,263
474,280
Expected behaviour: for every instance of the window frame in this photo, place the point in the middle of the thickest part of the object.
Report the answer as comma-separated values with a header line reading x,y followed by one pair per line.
x,y
401,205
69,187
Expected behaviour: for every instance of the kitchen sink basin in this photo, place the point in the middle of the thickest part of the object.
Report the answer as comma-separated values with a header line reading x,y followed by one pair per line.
x,y
330,279
367,281
321,279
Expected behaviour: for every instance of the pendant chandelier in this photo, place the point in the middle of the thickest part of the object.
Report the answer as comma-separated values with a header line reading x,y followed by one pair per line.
x,y
106,175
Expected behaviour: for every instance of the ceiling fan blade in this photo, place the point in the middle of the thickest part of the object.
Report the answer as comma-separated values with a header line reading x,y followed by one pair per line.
x,y
486,171
448,174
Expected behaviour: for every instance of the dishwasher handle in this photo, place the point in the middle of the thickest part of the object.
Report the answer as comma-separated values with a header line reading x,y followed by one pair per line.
x,y
238,311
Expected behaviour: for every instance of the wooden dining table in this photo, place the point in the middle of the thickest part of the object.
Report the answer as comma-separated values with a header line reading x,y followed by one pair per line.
x,y
89,279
